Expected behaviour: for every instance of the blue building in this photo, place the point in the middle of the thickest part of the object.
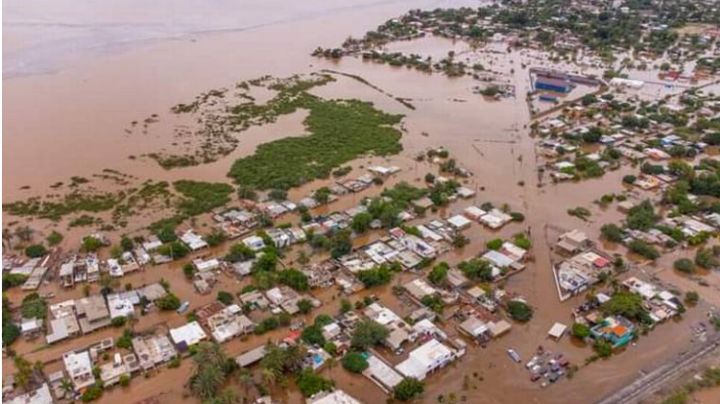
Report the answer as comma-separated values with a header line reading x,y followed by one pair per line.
x,y
552,84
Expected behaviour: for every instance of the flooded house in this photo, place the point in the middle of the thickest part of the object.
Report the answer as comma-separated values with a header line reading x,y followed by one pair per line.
x,y
187,335
79,367
426,359
92,313
153,350
63,323
578,273
617,330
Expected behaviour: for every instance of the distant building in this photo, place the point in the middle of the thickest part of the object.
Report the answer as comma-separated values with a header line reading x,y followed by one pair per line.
x,y
335,397
552,84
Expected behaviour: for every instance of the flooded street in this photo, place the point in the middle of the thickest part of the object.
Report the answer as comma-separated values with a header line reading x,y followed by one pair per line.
x,y
69,115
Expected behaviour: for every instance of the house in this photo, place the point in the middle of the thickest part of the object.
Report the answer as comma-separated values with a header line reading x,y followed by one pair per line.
x,y
425,359
419,288
576,274
456,278
248,358
474,213
474,328
617,330
121,305
495,219
193,240
573,241
187,335
153,350
255,243
92,313
255,299
79,367
111,372
399,329
335,397
30,326
206,265
228,323
382,374
459,222
39,396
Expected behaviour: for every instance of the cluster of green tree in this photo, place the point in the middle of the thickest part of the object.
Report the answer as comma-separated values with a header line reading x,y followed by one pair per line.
x,y
201,197
313,334
628,305
33,306
519,310
239,252
212,369
340,131
434,302
378,275
10,330
477,269
280,363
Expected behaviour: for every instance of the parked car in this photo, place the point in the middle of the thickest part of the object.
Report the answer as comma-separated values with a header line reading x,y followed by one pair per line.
x,y
513,355
183,307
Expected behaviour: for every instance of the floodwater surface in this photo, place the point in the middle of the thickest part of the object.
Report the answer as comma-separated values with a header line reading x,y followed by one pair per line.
x,y
77,77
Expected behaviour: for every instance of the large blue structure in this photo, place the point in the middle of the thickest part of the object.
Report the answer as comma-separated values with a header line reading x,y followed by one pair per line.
x,y
552,84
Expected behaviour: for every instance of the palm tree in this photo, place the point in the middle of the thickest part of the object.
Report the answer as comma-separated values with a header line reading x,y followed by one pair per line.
x,y
7,237
67,386
246,379
24,233
269,377
227,396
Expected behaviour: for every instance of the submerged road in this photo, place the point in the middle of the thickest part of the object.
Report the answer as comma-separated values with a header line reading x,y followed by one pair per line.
x,y
651,382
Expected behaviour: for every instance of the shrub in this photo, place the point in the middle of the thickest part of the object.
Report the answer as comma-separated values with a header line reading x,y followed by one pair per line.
x,y
354,362
368,333
118,321
304,306
225,298
691,298
168,302
684,265
188,270
36,250
580,330
705,258
644,249
294,278
92,393
310,384
602,348
91,244
54,238
519,311
494,244
612,232
408,389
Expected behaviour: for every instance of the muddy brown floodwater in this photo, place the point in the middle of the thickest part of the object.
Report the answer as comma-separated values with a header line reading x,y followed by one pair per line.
x,y
70,119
